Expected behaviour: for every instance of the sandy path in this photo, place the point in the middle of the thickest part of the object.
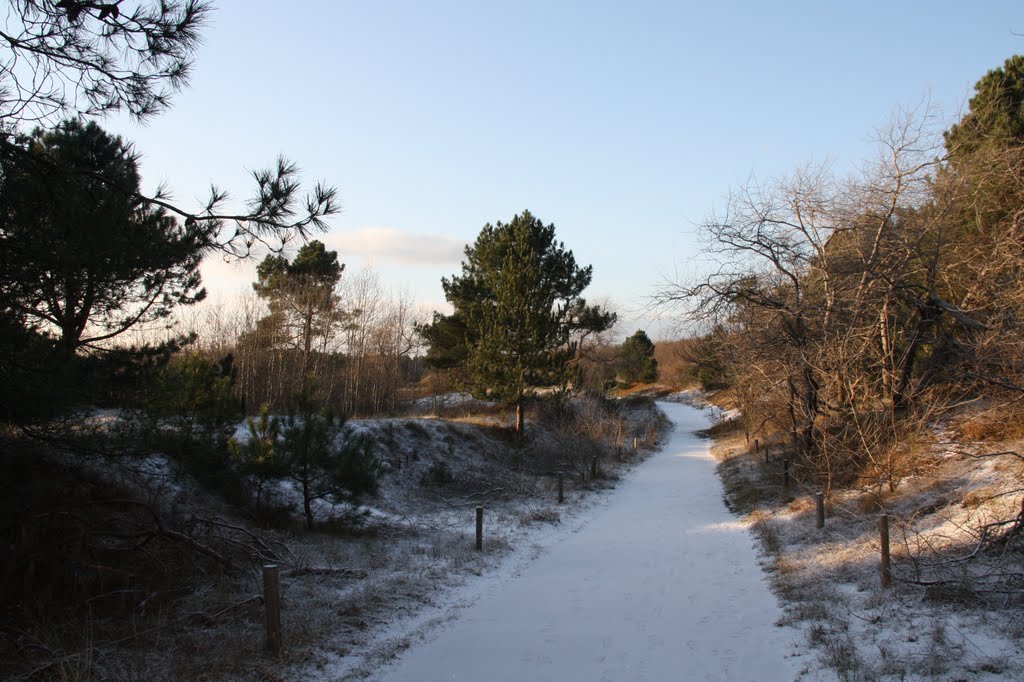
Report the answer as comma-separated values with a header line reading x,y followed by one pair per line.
x,y
661,585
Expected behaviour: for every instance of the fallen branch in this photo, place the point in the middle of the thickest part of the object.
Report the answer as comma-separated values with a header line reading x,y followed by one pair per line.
x,y
485,493
162,530
262,548
197,546
1004,453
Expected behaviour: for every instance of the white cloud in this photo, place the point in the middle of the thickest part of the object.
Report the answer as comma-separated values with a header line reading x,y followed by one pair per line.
x,y
385,244
221,277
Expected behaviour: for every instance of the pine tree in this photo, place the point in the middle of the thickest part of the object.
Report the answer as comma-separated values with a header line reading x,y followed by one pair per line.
x,y
84,258
259,456
636,359
324,457
303,304
519,313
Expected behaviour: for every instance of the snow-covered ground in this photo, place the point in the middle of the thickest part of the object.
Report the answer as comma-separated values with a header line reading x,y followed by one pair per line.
x,y
661,583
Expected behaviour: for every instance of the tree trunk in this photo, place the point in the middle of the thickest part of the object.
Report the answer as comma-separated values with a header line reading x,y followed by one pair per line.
x,y
884,334
306,506
928,315
791,405
811,406
306,473
307,344
519,418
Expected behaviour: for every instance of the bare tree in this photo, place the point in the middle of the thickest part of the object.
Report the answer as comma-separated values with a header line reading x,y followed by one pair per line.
x,y
831,287
377,343
774,279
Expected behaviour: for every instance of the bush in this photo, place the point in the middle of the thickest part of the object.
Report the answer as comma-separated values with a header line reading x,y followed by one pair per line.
x,y
439,473
211,466
193,397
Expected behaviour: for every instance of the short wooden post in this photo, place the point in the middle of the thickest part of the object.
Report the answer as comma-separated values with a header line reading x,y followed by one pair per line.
x,y
819,500
785,472
593,467
636,442
883,532
561,488
272,603
479,528
757,449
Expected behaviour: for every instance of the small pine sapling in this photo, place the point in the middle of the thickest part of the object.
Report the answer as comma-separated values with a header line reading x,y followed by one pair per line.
x,y
325,458
259,457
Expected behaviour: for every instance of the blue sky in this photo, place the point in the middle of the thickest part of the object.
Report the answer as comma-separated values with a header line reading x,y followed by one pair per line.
x,y
624,124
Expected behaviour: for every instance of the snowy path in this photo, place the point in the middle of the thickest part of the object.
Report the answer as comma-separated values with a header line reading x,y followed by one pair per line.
x,y
661,585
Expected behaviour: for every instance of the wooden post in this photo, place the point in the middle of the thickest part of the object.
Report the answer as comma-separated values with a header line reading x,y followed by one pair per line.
x,y
819,499
561,488
785,472
883,532
757,450
593,468
272,603
479,528
636,442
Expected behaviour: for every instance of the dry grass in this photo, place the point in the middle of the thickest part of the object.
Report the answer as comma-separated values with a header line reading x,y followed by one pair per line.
x,y
946,616
650,391
1000,423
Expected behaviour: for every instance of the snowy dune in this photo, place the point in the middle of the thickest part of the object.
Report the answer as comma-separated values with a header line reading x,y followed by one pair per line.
x,y
661,585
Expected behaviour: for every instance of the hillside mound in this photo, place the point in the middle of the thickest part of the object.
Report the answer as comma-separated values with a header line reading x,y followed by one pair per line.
x,y
131,563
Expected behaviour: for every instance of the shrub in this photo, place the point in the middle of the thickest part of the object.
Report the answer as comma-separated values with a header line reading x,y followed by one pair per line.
x,y
439,473
193,396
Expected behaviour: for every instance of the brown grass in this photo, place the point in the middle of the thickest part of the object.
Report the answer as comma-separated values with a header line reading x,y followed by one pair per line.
x,y
828,579
1003,422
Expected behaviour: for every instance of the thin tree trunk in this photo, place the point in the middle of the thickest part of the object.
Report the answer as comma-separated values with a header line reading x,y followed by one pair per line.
x,y
307,344
792,414
811,405
887,353
928,315
306,474
306,506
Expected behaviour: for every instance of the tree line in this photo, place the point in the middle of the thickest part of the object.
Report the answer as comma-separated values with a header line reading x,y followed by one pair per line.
x,y
92,265
848,312
90,258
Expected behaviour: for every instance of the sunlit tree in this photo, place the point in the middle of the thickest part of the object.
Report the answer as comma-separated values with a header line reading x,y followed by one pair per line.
x,y
519,312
